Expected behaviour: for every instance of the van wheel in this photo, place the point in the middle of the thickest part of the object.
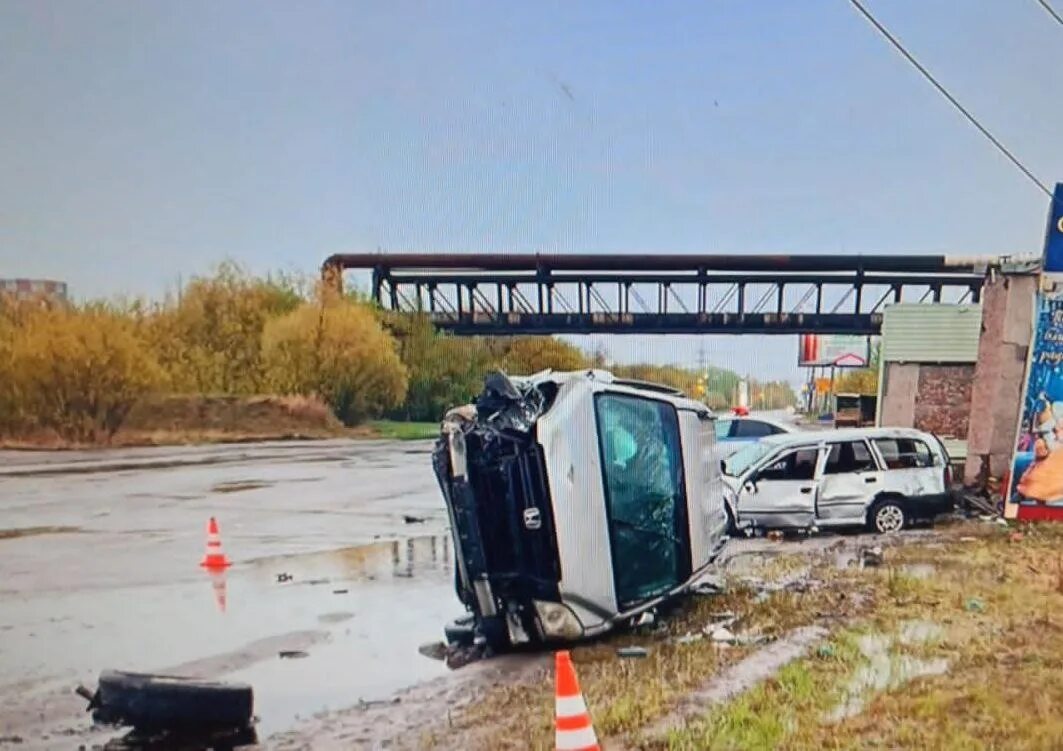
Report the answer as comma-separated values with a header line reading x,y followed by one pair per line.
x,y
886,516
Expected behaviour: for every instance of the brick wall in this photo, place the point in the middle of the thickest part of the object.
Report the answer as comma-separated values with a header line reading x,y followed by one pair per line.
x,y
943,399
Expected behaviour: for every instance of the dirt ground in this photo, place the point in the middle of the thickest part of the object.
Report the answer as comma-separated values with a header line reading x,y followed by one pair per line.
x,y
184,419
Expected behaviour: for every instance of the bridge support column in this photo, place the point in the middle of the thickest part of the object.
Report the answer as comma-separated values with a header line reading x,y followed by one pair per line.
x,y
1007,325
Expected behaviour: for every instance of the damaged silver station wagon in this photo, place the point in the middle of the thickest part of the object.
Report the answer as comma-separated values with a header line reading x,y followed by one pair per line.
x,y
577,501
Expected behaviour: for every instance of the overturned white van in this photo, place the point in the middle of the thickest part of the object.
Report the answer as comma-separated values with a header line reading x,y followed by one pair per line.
x,y
576,501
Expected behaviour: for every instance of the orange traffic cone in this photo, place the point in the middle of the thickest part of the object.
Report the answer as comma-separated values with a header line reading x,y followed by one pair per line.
x,y
574,729
214,557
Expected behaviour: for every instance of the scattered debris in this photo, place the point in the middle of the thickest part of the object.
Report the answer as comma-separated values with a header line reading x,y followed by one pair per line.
x,y
974,605
340,591
980,503
708,586
171,706
455,654
363,704
689,638
968,539
459,657
871,557
1016,537
292,654
632,652
407,519
825,650
314,582
435,650
722,634
775,535
649,618
338,617
284,577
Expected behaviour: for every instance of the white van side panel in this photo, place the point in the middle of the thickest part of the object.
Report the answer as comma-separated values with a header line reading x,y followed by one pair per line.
x,y
569,437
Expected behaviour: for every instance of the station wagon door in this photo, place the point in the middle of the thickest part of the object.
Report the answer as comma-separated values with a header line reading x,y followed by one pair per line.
x,y
850,481
782,493
912,469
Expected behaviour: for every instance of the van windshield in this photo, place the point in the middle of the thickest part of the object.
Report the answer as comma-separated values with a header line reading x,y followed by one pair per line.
x,y
644,488
745,458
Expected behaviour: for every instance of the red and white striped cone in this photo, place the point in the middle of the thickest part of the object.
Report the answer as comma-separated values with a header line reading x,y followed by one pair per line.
x,y
214,557
574,729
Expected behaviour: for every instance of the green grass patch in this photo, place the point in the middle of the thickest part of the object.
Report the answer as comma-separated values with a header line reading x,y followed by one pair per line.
x,y
405,431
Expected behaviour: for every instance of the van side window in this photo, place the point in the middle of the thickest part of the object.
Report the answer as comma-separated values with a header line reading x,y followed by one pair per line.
x,y
904,453
798,465
852,456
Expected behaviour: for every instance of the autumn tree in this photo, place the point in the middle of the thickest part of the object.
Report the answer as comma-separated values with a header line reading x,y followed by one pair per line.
x,y
210,339
530,354
336,349
443,370
79,371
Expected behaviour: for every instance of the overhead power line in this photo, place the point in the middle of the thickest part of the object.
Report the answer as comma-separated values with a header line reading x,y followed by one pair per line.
x,y
944,92
1044,4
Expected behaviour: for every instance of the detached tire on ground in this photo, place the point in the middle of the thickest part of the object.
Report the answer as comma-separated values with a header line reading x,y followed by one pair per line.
x,y
886,515
167,702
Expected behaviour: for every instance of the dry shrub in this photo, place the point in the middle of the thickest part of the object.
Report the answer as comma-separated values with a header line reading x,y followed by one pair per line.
x,y
335,348
534,353
75,371
209,340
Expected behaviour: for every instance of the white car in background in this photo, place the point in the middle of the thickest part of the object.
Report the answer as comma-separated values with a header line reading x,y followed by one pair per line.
x,y
881,478
733,433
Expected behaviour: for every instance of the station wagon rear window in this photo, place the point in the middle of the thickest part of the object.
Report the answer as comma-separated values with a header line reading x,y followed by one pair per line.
x,y
904,453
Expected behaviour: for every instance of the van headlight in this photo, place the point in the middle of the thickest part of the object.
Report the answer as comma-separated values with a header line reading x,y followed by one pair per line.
x,y
558,621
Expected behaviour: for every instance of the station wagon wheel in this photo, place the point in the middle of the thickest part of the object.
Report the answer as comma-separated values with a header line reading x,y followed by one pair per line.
x,y
887,516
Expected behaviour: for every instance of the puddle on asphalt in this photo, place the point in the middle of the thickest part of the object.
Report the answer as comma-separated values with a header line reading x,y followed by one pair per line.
x,y
15,533
376,561
884,669
379,602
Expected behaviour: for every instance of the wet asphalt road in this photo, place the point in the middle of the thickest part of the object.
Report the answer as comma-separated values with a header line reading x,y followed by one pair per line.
x,y
99,556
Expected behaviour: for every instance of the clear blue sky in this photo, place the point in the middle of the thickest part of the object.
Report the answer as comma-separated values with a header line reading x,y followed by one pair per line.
x,y
140,141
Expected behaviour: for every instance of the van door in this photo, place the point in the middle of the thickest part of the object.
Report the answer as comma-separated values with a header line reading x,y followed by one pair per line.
x,y
850,481
783,492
